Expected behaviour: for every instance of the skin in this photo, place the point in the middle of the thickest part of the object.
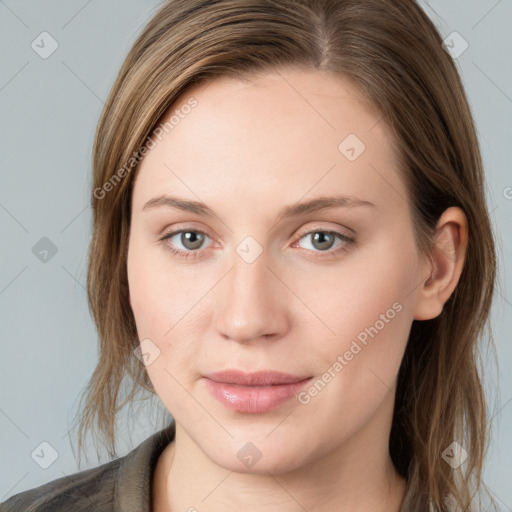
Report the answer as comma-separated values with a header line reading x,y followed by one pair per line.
x,y
247,150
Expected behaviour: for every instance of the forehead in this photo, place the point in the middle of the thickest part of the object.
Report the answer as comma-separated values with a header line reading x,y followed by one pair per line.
x,y
291,131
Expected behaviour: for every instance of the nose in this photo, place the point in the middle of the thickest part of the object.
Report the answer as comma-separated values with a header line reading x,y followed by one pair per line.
x,y
252,302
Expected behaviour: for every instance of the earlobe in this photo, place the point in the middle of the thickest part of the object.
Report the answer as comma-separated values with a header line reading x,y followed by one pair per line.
x,y
445,264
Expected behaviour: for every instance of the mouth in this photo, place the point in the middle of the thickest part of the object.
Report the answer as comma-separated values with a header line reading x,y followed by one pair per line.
x,y
256,392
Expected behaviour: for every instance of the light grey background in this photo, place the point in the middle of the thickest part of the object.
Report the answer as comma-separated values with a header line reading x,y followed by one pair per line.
x,y
49,110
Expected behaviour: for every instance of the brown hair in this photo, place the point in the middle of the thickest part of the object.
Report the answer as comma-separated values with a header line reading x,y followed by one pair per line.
x,y
391,51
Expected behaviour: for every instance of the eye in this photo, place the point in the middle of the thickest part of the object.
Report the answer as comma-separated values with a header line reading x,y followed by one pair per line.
x,y
190,239
322,241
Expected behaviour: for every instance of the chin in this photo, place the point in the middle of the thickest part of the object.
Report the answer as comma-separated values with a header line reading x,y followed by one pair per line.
x,y
259,458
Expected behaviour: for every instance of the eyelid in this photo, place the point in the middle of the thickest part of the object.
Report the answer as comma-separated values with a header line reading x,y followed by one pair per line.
x,y
178,228
324,229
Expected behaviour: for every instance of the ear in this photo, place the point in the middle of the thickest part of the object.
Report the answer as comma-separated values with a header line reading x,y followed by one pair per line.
x,y
445,264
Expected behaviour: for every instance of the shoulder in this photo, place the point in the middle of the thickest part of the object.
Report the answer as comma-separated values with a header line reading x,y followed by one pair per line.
x,y
121,484
88,490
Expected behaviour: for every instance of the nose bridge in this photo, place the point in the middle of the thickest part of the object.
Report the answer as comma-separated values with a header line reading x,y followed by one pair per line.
x,y
251,305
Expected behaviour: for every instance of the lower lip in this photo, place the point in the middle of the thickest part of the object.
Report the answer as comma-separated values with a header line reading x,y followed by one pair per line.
x,y
254,399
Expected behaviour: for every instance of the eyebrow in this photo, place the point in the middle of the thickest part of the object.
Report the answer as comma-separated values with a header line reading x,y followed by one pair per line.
x,y
294,210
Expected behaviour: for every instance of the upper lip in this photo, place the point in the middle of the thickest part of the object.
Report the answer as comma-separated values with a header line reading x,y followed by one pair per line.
x,y
259,378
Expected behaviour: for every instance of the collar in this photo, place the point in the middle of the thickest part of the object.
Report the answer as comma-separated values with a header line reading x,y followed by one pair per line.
x,y
135,473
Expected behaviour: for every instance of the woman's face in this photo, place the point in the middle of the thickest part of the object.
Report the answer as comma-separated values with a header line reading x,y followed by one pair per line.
x,y
265,280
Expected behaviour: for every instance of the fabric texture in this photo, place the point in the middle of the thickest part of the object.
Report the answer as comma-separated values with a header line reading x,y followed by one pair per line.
x,y
121,485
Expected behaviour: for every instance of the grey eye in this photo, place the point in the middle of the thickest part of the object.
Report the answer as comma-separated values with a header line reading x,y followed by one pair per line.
x,y
191,239
322,240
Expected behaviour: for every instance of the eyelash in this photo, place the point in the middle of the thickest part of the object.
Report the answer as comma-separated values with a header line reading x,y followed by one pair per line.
x,y
196,254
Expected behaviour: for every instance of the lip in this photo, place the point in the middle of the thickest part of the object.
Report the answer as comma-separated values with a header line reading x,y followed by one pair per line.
x,y
255,392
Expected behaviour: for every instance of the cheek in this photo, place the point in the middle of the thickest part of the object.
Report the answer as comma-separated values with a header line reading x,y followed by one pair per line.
x,y
163,328
148,304
380,277
165,308
370,311
367,306
155,296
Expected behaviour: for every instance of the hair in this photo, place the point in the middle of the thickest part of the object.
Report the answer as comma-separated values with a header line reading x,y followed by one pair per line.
x,y
392,53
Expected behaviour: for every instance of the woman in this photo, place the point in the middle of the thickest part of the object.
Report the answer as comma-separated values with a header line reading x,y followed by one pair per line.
x,y
292,250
